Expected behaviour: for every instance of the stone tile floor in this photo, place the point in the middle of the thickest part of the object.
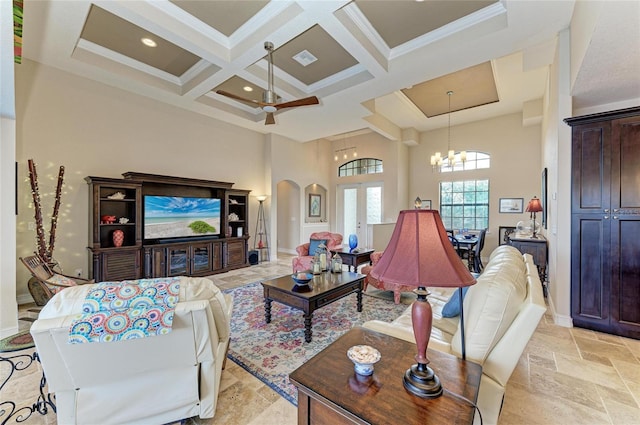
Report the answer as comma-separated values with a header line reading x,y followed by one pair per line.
x,y
565,376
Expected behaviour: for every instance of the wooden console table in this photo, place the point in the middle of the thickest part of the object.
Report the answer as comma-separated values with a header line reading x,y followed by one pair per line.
x,y
536,247
329,391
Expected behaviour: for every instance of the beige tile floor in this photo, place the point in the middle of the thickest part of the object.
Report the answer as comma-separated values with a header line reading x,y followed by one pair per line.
x,y
565,376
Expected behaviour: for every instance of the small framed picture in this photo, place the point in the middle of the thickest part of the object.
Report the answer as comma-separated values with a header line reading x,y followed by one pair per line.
x,y
426,204
314,205
511,205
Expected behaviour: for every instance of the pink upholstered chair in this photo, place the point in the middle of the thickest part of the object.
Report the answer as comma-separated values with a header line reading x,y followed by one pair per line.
x,y
370,280
303,260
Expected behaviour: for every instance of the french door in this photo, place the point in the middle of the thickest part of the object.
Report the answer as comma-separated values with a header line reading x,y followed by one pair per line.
x,y
359,205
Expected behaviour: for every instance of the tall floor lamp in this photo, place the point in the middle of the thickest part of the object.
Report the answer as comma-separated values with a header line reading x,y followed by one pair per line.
x,y
261,231
420,254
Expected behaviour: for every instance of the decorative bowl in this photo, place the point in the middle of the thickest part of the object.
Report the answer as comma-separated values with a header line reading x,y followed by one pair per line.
x,y
363,358
469,236
302,278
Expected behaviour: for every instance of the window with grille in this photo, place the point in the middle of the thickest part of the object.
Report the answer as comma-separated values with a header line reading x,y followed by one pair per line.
x,y
465,204
360,166
475,160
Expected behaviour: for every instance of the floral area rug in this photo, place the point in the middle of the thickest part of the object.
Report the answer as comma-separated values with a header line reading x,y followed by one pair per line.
x,y
272,351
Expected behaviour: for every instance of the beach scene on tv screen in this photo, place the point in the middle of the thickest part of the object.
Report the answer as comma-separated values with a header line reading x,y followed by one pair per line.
x,y
173,217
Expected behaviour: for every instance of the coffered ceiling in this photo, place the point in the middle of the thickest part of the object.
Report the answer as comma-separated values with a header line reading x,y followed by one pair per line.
x,y
380,65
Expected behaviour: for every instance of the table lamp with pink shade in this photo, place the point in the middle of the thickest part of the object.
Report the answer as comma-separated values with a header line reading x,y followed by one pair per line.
x,y
420,254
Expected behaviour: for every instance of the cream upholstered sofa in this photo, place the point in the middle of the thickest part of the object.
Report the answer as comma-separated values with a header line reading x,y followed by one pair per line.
x,y
156,379
501,312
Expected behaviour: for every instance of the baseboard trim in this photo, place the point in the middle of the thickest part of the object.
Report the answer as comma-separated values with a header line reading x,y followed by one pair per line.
x,y
559,319
24,299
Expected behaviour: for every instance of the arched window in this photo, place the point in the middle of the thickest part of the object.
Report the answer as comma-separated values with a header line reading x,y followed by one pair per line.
x,y
475,160
360,166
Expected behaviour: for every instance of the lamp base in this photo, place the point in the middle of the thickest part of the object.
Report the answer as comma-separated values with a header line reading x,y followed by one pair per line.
x,y
420,381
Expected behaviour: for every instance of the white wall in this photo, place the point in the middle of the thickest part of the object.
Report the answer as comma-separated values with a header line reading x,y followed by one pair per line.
x,y
516,167
9,310
94,129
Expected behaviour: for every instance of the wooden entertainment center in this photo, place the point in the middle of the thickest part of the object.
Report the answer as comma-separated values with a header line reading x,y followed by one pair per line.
x,y
116,205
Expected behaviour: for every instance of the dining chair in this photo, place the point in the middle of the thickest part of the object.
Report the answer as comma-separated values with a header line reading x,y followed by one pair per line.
x,y
474,257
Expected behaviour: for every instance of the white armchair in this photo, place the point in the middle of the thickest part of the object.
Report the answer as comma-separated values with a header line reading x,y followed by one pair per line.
x,y
156,379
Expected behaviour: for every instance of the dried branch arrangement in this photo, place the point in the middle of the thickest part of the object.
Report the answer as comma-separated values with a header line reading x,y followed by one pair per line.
x,y
45,251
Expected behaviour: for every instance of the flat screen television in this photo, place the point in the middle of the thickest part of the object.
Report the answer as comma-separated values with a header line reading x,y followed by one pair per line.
x,y
180,217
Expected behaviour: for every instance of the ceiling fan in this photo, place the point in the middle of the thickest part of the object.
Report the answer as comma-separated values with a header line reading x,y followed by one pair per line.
x,y
269,102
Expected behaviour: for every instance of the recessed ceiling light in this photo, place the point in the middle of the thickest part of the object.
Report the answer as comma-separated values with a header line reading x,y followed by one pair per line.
x,y
247,88
148,42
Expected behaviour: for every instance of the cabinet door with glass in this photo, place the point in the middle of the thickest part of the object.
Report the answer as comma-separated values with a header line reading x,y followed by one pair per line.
x,y
177,260
201,258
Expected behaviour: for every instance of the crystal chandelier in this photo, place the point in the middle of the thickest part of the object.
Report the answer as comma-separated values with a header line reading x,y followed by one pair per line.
x,y
437,158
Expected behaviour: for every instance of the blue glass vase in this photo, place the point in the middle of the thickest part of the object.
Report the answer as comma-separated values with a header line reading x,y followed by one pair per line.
x,y
353,242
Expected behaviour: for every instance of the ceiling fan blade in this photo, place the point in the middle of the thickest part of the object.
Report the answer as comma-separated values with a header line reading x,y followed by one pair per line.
x,y
270,119
236,97
300,102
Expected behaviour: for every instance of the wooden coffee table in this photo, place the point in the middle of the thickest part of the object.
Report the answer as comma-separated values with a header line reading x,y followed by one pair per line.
x,y
329,391
323,289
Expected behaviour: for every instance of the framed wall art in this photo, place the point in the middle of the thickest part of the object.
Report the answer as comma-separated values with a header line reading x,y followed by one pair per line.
x,y
314,205
511,205
543,198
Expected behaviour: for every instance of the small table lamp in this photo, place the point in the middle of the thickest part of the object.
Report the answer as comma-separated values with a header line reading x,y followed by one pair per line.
x,y
534,206
420,254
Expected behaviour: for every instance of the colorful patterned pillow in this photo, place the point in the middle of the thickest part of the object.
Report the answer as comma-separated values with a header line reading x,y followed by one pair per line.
x,y
59,282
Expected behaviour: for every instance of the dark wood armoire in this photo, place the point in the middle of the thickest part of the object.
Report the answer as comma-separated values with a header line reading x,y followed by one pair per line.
x,y
605,222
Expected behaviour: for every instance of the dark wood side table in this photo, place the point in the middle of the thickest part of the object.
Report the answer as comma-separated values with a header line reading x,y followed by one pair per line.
x,y
537,248
322,290
354,259
329,391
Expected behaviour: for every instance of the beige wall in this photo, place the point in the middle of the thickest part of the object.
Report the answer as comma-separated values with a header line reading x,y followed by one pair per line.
x,y
93,129
9,310
515,171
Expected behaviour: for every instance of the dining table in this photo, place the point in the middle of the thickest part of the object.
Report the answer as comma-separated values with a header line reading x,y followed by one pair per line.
x,y
469,241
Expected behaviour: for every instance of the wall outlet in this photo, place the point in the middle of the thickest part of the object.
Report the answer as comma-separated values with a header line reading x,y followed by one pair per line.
x,y
78,272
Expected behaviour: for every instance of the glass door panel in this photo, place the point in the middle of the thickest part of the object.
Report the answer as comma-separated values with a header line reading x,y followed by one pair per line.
x,y
178,261
358,206
201,258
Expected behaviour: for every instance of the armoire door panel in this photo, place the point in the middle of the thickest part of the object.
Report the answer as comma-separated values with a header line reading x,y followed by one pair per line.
x,y
625,182
625,282
591,168
590,281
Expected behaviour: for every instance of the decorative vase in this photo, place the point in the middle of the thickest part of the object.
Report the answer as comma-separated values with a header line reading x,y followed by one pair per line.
x,y
353,242
118,238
